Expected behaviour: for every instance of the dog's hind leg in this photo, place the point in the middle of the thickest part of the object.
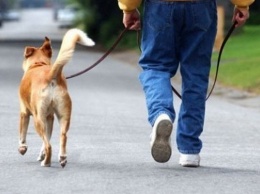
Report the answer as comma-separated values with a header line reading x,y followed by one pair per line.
x,y
50,120
64,114
41,128
24,122
64,125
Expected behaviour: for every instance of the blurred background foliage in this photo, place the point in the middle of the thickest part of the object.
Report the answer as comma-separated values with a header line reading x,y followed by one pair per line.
x,y
254,14
103,22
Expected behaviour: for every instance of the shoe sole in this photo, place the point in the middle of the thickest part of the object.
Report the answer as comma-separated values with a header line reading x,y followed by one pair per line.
x,y
193,162
161,148
191,165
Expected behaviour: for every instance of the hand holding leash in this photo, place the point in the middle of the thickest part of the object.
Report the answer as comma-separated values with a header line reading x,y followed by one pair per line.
x,y
131,20
240,16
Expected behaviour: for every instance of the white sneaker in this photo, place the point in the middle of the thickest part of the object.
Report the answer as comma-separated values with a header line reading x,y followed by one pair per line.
x,y
189,160
161,139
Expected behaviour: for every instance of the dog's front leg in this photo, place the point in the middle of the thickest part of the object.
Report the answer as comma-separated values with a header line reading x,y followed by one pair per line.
x,y
24,122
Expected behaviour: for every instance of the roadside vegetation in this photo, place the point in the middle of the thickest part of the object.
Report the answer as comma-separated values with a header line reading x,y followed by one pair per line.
x,y
102,20
240,64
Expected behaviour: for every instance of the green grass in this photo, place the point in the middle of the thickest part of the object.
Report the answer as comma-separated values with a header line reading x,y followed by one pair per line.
x,y
240,63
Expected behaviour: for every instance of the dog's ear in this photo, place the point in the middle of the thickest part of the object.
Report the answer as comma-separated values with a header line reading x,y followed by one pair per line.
x,y
28,51
46,47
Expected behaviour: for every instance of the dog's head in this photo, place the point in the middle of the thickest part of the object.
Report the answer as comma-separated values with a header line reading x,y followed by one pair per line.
x,y
34,55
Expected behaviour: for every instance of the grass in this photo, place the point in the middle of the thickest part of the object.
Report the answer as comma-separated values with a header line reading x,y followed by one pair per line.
x,y
240,63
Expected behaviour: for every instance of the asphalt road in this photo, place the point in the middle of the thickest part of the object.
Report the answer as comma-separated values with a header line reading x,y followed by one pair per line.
x,y
108,141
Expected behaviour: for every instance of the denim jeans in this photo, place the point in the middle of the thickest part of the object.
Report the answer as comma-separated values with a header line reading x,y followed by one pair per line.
x,y
178,35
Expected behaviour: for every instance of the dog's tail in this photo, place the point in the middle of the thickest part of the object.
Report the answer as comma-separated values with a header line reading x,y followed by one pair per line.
x,y
67,48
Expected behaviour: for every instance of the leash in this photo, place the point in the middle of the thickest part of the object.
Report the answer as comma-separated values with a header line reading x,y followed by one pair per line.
x,y
102,57
230,31
219,56
138,42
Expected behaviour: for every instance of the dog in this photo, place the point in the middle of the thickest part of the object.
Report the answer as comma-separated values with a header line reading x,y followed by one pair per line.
x,y
43,93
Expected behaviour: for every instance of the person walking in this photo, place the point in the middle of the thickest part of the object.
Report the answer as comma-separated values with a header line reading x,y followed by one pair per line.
x,y
177,34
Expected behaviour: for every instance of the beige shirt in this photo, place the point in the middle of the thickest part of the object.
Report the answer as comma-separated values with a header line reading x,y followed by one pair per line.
x,y
129,5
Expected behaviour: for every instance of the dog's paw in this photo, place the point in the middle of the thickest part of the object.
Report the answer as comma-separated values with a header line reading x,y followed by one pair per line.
x,y
63,161
45,165
22,149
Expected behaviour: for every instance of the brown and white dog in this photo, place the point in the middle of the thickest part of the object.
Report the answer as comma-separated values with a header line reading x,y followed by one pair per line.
x,y
43,93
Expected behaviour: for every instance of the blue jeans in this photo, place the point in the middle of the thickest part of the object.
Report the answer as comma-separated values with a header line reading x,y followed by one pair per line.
x,y
178,35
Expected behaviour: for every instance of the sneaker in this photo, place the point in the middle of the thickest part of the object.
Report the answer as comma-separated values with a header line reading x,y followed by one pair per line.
x,y
161,139
189,160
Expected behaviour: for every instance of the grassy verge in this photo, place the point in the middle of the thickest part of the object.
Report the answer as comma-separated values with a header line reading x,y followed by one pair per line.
x,y
240,64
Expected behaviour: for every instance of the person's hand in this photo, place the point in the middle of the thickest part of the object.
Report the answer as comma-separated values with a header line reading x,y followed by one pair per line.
x,y
131,20
240,16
